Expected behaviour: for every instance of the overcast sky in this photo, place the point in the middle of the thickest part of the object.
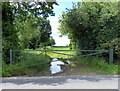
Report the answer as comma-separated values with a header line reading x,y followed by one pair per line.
x,y
60,41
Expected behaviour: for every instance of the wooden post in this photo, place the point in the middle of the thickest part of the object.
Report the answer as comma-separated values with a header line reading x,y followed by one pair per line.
x,y
110,56
11,56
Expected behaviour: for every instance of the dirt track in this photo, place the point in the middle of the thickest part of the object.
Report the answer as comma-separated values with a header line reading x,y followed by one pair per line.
x,y
80,70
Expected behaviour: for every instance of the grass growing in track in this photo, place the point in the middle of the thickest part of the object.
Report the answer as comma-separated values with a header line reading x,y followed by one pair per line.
x,y
23,60
96,63
55,55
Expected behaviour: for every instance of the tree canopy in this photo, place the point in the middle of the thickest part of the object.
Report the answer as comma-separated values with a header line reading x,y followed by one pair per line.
x,y
25,25
92,25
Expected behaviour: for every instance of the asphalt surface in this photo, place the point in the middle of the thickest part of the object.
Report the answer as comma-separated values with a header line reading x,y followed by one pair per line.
x,y
61,82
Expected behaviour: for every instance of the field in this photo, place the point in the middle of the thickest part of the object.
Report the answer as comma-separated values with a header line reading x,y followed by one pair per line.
x,y
55,54
29,63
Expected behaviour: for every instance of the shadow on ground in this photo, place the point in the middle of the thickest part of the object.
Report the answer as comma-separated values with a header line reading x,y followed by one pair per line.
x,y
55,80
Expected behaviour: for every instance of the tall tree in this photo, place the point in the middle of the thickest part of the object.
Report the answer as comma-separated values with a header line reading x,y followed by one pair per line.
x,y
94,25
9,34
21,10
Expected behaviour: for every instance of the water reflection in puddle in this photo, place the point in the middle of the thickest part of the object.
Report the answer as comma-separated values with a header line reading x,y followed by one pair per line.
x,y
56,66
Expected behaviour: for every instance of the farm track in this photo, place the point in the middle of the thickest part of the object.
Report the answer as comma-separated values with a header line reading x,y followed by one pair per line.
x,y
80,69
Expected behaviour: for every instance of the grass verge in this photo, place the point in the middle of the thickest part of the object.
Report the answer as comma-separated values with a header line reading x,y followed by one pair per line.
x,y
100,65
28,62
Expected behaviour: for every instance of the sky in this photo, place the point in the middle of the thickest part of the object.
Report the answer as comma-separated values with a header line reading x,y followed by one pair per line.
x,y
60,41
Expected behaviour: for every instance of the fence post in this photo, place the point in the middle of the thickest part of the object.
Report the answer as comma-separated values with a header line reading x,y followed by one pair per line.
x,y
11,56
110,56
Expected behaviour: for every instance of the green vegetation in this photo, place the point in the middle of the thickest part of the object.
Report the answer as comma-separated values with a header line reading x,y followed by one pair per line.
x,y
40,37
25,26
29,62
99,64
24,63
59,56
94,26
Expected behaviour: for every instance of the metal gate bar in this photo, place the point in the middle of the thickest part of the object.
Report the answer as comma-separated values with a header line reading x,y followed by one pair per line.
x,y
110,51
62,53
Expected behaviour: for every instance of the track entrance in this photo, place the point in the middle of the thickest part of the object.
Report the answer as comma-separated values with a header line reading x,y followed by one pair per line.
x,y
41,59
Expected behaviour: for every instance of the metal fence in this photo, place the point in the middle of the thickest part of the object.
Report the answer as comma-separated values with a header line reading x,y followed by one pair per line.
x,y
110,52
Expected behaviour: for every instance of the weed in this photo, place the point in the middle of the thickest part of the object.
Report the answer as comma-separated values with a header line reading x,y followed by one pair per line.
x,y
99,64
25,64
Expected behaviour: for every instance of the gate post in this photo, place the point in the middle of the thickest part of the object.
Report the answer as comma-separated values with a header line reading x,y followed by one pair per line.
x,y
11,56
110,56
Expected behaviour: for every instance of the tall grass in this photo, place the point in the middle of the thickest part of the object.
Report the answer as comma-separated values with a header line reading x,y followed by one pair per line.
x,y
28,62
24,62
99,64
96,63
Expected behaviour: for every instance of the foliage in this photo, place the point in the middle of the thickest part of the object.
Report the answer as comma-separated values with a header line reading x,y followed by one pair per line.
x,y
51,41
9,34
18,20
24,63
94,25
100,65
96,63
25,66
33,32
44,9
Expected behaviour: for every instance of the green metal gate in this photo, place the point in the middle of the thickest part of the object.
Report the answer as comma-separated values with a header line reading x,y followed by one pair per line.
x,y
110,52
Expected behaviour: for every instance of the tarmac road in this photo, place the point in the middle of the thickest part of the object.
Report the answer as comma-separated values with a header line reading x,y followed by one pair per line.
x,y
61,82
